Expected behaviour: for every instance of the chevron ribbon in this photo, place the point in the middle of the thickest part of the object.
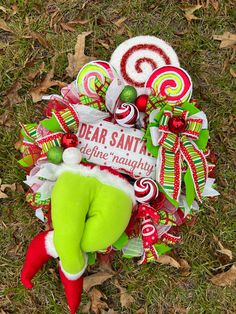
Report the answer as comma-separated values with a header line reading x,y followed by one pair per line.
x,y
175,149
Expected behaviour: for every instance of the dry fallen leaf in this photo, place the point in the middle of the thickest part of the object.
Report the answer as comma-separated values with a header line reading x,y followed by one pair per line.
x,y
78,59
41,39
226,278
227,39
120,21
96,303
168,260
11,95
184,267
3,9
104,44
32,75
14,9
38,91
95,279
228,253
110,311
3,187
140,311
232,72
5,120
215,4
5,27
68,27
126,299
188,12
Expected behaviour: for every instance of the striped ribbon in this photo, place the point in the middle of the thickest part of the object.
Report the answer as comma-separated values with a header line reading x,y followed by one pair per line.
x,y
30,131
176,149
67,119
49,141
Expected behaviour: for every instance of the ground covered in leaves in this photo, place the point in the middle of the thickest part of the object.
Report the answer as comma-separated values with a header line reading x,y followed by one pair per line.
x,y
37,39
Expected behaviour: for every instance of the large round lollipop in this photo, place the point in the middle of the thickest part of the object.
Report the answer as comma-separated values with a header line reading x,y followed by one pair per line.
x,y
136,58
173,83
86,77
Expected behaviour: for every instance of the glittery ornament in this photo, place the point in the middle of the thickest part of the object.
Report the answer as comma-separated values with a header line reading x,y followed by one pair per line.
x,y
158,202
54,155
141,102
126,115
69,140
177,125
128,94
145,190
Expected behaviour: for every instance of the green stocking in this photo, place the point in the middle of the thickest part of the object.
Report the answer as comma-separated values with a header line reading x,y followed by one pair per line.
x,y
87,216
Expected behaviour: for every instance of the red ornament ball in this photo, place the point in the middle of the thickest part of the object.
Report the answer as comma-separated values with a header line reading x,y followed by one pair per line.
x,y
141,102
177,125
69,140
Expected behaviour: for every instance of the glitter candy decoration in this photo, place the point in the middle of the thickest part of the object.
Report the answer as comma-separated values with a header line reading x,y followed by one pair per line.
x,y
136,58
146,190
86,78
126,115
171,82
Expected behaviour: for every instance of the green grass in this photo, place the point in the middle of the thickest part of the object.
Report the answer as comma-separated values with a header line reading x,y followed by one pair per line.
x,y
156,288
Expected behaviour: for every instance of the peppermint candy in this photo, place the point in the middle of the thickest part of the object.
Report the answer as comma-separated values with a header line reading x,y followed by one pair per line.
x,y
85,80
136,58
146,190
172,83
126,115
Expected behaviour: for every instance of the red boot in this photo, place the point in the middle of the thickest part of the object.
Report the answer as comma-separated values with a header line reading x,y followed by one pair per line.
x,y
37,255
73,290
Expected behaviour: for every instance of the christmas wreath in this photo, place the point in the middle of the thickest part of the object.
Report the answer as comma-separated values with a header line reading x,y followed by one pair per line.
x,y
119,163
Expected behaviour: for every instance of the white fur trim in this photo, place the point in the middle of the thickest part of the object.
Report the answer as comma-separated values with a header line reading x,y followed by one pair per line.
x,y
78,275
50,247
104,176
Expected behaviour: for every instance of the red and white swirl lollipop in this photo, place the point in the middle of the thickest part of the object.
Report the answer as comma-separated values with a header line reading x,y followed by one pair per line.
x,y
146,190
126,115
171,82
136,58
86,77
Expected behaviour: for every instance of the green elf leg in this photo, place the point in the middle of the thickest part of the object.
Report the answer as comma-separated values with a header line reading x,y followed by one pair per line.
x,y
87,215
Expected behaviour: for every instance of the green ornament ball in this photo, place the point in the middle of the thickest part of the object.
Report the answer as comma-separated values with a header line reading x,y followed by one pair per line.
x,y
54,155
128,94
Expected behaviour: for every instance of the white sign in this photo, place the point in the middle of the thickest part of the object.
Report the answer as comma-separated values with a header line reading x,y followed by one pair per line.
x,y
109,144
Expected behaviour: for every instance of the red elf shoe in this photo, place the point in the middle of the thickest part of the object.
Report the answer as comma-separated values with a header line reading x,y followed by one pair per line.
x,y
73,290
37,254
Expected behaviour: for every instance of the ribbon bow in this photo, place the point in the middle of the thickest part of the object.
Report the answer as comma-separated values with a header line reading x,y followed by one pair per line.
x,y
40,138
175,136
